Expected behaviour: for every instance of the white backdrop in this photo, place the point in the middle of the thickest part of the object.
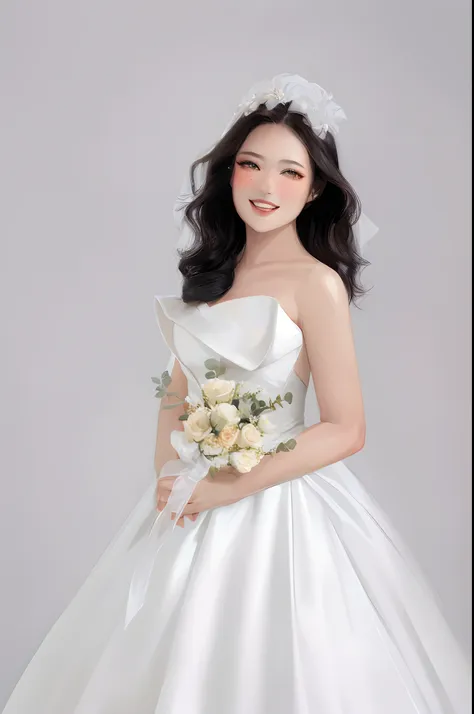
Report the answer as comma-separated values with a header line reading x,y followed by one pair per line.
x,y
105,104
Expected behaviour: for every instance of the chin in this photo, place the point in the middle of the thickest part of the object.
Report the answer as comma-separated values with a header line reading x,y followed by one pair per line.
x,y
261,225
264,229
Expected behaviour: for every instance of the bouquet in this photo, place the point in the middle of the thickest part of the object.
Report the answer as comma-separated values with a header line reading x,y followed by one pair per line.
x,y
228,424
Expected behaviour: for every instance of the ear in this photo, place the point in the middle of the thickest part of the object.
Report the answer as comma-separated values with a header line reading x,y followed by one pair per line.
x,y
316,191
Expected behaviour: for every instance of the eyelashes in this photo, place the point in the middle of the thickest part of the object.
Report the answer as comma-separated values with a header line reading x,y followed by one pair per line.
x,y
294,173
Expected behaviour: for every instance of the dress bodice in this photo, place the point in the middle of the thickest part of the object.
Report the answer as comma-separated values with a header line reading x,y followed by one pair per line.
x,y
252,337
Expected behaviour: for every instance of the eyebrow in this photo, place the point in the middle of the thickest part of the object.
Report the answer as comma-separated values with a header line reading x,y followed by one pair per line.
x,y
283,161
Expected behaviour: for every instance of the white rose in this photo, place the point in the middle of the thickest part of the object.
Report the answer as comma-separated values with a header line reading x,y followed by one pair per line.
x,y
198,425
220,461
224,414
244,461
265,424
219,390
228,436
210,446
249,435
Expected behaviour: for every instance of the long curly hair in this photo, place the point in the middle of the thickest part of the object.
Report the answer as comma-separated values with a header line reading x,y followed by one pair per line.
x,y
324,226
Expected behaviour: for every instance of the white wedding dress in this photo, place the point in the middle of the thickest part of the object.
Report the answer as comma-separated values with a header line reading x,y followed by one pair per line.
x,y
298,600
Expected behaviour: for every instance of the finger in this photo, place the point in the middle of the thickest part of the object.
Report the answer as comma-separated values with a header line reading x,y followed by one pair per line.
x,y
162,498
165,484
163,491
190,509
162,495
167,481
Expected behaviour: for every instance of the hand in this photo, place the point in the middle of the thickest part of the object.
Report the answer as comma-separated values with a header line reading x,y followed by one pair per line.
x,y
163,490
214,491
210,492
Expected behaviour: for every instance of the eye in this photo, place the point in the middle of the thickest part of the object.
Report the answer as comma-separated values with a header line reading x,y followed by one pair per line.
x,y
296,174
246,163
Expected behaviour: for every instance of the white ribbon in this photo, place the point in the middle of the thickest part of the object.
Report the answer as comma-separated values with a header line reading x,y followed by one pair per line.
x,y
191,467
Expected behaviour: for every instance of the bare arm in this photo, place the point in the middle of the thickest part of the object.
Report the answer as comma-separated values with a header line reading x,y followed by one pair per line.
x,y
168,419
324,314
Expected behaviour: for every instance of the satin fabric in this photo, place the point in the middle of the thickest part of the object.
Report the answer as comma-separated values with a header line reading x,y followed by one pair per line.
x,y
299,600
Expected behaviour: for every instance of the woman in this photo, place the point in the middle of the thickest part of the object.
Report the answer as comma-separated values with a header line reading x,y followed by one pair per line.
x,y
285,590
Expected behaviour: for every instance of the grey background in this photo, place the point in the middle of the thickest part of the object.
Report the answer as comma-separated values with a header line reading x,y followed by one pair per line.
x,y
104,105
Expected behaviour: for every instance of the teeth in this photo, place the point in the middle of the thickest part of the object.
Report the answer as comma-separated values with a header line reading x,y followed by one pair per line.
x,y
263,205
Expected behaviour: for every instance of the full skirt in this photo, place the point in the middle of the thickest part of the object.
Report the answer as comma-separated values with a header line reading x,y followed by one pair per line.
x,y
300,599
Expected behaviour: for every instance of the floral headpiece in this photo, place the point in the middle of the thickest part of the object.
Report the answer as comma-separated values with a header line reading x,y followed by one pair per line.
x,y
306,98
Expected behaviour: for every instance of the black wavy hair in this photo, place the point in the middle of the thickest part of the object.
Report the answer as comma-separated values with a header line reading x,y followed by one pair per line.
x,y
324,226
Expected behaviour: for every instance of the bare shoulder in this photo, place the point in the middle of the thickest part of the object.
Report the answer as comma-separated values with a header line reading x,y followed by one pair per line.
x,y
301,286
320,286
310,274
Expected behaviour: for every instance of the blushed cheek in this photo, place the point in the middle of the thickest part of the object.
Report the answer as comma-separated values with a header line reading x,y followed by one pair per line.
x,y
242,180
292,192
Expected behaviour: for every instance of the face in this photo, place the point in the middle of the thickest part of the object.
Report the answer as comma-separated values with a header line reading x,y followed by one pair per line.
x,y
271,165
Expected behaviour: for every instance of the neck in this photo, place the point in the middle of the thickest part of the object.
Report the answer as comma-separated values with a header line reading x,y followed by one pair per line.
x,y
276,246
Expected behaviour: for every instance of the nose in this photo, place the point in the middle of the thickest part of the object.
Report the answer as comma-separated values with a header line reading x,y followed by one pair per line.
x,y
267,183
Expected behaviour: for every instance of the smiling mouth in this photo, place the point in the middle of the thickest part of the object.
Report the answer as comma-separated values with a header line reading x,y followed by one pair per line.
x,y
268,209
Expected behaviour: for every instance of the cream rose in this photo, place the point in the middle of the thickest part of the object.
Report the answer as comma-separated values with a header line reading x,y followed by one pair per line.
x,y
219,390
224,414
244,461
210,446
265,424
228,436
249,435
198,425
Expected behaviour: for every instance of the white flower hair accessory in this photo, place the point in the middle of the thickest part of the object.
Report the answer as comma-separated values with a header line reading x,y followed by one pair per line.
x,y
307,98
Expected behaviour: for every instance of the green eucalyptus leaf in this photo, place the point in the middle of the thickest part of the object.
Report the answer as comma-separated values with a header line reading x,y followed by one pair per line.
x,y
183,417
291,443
213,364
166,378
210,375
212,471
172,406
160,393
156,380
288,397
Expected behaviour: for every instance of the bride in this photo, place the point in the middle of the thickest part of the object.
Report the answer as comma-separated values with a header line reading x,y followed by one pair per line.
x,y
275,583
